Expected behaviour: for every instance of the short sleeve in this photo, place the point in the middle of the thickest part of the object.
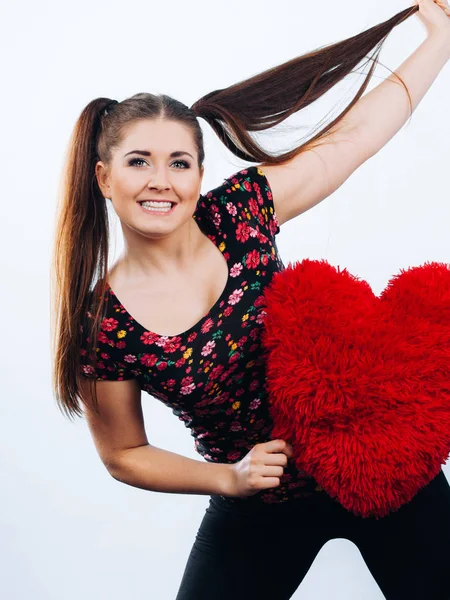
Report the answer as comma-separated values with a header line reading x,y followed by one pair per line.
x,y
109,364
254,194
243,200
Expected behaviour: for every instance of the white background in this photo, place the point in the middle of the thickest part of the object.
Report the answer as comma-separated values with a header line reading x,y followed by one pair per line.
x,y
68,529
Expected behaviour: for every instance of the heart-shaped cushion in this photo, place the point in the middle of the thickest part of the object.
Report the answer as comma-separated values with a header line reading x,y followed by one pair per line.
x,y
359,384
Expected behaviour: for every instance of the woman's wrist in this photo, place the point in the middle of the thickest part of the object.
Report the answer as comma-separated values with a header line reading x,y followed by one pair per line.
x,y
441,37
226,479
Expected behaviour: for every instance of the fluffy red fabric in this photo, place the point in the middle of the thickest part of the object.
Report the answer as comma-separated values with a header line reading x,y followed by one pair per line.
x,y
360,384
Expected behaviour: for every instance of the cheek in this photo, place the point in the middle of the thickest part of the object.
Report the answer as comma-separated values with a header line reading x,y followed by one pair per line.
x,y
129,186
191,189
193,192
128,181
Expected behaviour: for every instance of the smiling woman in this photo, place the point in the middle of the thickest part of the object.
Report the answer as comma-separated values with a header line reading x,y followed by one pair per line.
x,y
180,316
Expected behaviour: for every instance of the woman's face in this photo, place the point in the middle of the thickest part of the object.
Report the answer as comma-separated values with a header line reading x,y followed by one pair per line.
x,y
142,168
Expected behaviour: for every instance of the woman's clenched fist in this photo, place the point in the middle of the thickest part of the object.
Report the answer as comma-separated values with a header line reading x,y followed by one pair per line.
x,y
260,469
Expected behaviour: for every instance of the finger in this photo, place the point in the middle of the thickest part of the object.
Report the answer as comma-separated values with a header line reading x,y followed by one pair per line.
x,y
273,471
444,5
269,482
275,446
288,450
276,458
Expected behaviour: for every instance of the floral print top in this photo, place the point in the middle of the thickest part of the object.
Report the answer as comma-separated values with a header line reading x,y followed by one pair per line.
x,y
212,376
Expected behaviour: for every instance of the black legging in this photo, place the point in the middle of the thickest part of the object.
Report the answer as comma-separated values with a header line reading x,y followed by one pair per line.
x,y
263,552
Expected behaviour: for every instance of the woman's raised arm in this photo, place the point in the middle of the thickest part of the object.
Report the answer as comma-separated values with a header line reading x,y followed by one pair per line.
x,y
383,111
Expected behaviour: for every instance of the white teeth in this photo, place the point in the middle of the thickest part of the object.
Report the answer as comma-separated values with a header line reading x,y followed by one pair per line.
x,y
157,204
155,209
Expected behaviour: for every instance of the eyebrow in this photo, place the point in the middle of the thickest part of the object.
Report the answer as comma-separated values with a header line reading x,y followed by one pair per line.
x,y
146,153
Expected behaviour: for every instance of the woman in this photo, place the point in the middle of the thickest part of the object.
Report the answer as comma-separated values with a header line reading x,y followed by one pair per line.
x,y
179,315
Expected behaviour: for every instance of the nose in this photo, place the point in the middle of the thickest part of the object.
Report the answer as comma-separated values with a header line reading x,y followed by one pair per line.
x,y
159,179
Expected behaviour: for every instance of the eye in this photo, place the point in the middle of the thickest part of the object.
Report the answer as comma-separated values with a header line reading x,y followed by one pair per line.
x,y
133,162
182,162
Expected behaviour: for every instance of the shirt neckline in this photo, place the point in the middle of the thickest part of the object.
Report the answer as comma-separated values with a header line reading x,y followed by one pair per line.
x,y
197,325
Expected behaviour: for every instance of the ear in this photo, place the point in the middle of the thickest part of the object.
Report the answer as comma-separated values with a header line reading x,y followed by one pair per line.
x,y
102,176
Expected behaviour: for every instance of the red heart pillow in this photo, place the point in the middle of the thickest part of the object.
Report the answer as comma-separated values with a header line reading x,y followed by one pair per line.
x,y
360,384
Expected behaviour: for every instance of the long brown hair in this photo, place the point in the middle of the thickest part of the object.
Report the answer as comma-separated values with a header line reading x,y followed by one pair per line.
x,y
81,243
